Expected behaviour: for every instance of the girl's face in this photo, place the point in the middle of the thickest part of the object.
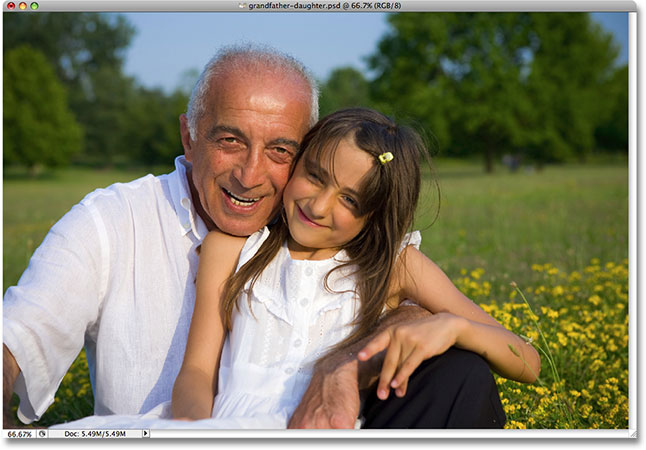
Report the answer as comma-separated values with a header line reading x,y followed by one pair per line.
x,y
322,205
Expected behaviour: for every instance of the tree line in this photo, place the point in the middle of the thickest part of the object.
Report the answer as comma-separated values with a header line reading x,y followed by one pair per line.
x,y
543,87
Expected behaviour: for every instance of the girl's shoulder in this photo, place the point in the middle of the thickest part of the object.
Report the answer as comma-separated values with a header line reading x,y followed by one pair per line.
x,y
409,245
413,238
252,244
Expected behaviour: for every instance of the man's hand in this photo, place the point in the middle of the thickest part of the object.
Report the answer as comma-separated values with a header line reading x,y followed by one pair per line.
x,y
10,371
332,398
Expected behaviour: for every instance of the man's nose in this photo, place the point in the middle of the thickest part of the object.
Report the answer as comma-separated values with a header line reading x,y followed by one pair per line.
x,y
251,170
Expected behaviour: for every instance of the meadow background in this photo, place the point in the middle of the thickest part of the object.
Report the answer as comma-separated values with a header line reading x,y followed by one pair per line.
x,y
560,234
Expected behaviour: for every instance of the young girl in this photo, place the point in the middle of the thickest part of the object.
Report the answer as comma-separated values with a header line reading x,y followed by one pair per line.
x,y
268,307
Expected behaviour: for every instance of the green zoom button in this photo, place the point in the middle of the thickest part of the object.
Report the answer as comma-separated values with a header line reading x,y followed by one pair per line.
x,y
34,6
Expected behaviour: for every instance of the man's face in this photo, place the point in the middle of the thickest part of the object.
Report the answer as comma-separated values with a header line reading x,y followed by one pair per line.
x,y
244,147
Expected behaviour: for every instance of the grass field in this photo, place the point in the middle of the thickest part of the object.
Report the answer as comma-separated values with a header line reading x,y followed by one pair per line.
x,y
560,235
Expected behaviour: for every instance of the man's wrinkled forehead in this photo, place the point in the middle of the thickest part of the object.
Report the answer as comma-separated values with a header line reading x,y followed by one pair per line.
x,y
264,79
266,90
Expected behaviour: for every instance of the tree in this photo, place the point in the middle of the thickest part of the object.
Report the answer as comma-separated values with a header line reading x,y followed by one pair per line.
x,y
154,138
572,64
459,74
39,128
345,87
87,51
491,83
105,118
612,133
77,44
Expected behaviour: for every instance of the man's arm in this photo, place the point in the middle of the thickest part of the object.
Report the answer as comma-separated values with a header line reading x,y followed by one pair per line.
x,y
10,371
332,397
46,315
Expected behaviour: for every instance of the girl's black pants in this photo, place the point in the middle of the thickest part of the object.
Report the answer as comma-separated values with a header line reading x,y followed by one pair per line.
x,y
452,390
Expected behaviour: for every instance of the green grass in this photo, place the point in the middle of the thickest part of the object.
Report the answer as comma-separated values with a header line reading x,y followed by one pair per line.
x,y
506,222
541,230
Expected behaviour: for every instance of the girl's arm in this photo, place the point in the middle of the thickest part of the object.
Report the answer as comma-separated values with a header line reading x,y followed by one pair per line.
x,y
196,384
456,320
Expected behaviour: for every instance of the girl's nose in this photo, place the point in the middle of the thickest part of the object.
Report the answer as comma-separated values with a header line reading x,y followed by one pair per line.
x,y
321,203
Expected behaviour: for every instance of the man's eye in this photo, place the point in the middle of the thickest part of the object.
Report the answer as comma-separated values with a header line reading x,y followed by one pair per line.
x,y
280,155
230,144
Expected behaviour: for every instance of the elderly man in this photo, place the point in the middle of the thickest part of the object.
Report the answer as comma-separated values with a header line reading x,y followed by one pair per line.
x,y
116,273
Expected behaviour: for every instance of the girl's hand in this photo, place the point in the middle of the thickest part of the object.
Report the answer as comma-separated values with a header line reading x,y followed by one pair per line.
x,y
408,345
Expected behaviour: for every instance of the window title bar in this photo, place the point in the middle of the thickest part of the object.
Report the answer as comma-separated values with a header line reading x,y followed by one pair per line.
x,y
312,6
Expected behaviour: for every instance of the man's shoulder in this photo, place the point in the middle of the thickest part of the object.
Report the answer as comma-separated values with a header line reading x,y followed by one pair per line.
x,y
145,200
141,189
142,204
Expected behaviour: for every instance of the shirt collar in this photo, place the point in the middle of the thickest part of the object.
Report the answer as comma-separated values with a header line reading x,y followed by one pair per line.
x,y
189,220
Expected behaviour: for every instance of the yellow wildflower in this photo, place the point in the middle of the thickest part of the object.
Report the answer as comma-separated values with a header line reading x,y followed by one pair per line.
x,y
596,365
595,300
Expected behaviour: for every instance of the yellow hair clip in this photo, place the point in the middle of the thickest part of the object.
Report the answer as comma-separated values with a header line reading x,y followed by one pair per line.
x,y
385,157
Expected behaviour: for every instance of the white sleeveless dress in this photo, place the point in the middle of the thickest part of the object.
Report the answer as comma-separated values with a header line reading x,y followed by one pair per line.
x,y
281,329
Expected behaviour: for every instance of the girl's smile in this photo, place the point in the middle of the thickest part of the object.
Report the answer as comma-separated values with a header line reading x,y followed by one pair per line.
x,y
322,205
305,219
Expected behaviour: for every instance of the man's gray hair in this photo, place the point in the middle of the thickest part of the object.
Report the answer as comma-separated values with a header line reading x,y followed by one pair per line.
x,y
245,57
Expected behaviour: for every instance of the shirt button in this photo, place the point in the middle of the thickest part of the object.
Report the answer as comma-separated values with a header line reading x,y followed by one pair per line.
x,y
186,225
303,302
186,203
309,271
289,370
297,343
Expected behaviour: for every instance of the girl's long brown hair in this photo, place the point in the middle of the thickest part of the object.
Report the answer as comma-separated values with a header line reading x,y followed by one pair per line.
x,y
387,198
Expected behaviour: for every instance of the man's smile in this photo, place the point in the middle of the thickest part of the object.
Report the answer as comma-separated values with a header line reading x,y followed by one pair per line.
x,y
238,200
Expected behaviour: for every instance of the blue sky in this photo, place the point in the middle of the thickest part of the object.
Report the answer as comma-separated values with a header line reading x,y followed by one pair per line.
x,y
169,44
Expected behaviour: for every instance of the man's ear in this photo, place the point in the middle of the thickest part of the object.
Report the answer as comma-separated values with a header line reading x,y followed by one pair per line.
x,y
187,143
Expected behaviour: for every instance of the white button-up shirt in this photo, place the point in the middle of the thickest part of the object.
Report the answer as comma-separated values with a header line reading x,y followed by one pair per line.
x,y
115,274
